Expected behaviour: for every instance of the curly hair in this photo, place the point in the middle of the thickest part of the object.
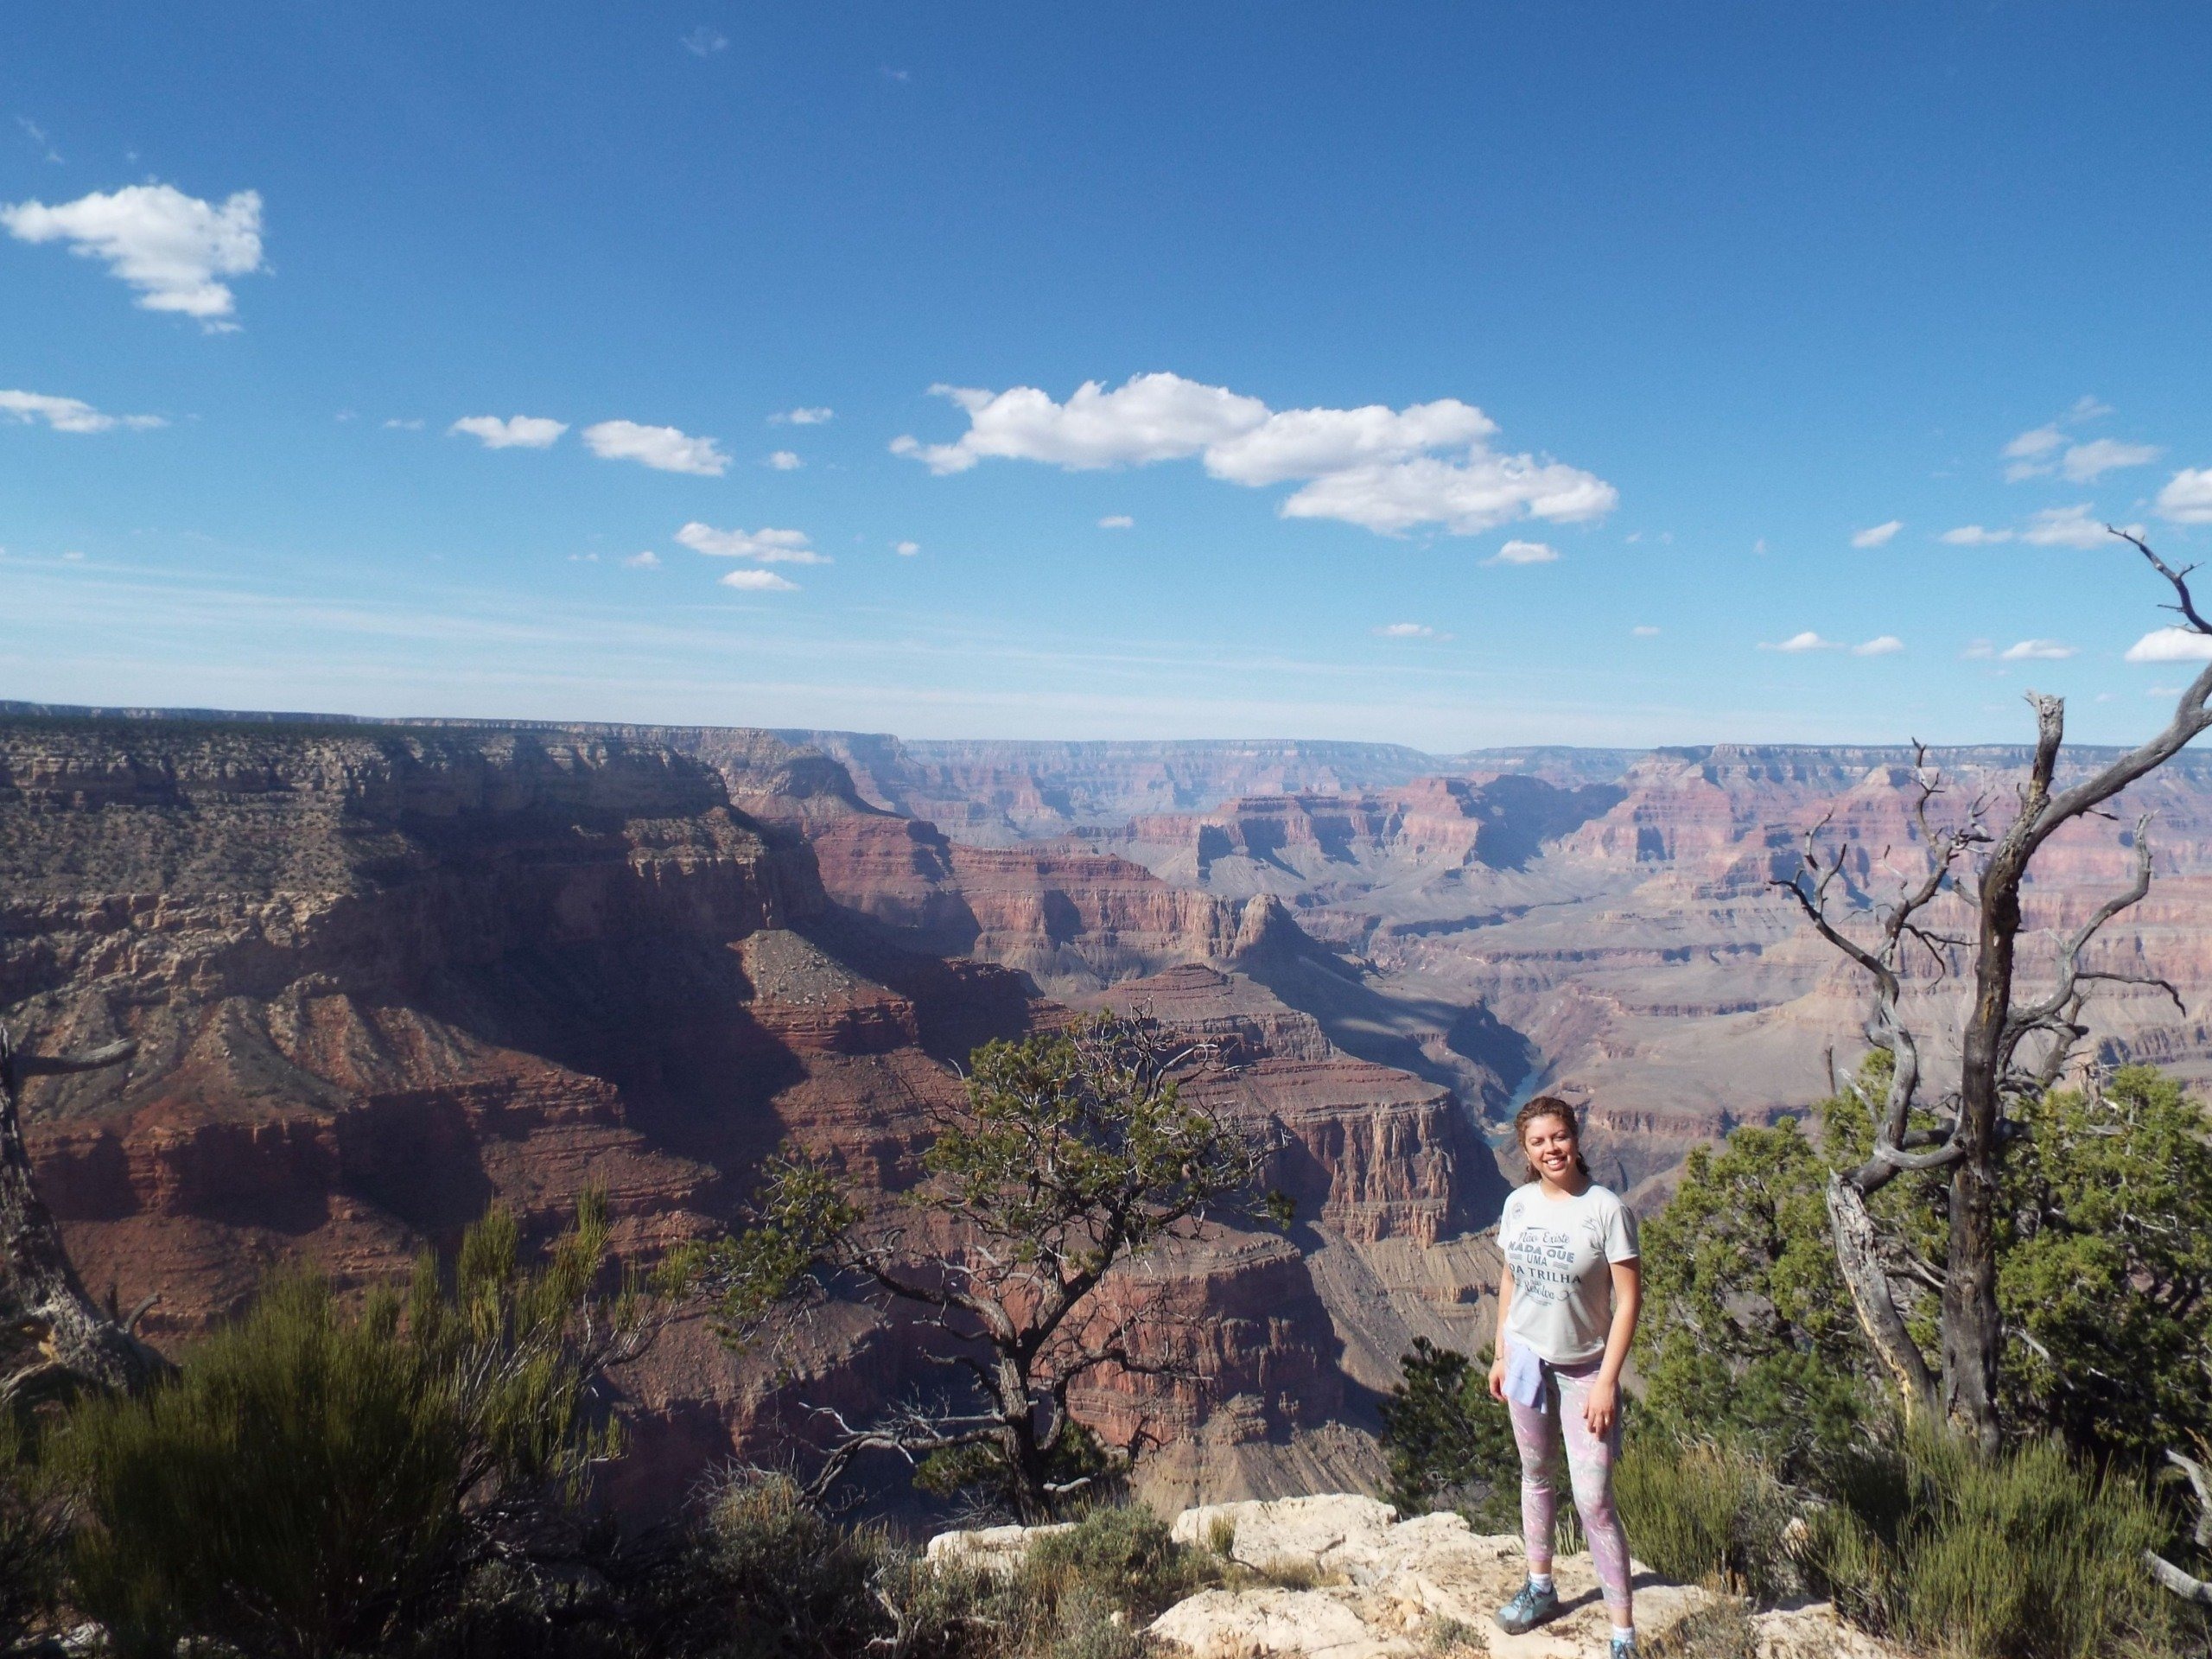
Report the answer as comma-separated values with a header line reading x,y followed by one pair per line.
x,y
1549,1106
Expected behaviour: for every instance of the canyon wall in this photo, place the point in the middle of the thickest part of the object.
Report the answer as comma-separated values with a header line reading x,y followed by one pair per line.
x,y
383,976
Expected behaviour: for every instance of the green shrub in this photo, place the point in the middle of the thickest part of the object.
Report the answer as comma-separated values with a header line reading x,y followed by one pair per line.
x,y
1450,1444
30,1537
1089,1593
1707,1513
794,1585
317,1483
2029,1557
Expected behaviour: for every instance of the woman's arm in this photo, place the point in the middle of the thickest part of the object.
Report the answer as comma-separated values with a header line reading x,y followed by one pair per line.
x,y
1603,1404
1497,1337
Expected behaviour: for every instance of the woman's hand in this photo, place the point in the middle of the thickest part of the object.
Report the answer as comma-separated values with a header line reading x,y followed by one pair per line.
x,y
1600,1406
1497,1378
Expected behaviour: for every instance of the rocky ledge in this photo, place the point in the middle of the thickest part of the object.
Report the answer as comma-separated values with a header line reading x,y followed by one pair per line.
x,y
1344,1579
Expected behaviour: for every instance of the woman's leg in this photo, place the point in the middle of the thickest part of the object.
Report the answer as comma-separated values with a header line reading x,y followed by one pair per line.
x,y
1589,1470
1536,1432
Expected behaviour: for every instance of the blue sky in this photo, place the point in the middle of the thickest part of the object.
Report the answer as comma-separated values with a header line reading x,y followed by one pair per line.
x,y
1461,374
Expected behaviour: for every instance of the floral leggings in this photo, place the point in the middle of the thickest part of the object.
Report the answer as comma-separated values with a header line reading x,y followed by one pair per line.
x,y
1539,1431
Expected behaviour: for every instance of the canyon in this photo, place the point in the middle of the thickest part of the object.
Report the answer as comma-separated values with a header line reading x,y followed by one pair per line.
x,y
382,975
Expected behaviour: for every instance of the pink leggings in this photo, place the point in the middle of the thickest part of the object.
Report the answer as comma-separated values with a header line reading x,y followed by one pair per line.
x,y
1539,1431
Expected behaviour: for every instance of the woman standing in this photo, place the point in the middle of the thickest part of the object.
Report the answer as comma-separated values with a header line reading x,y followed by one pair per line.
x,y
1566,1308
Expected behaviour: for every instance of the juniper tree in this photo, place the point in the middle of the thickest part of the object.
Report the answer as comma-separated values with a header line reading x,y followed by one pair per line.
x,y
1072,1155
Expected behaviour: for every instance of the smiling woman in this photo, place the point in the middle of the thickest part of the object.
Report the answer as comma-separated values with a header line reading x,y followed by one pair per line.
x,y
1568,1302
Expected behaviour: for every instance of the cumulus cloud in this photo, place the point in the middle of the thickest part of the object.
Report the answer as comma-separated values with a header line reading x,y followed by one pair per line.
x,y
169,246
2066,527
2037,651
516,432
647,560
2187,498
762,546
2171,645
1519,552
2086,461
1887,644
758,581
1645,631
661,448
2039,440
1805,641
1975,536
1406,631
907,549
1879,535
1374,466
69,414
1118,521
803,417
704,43
784,460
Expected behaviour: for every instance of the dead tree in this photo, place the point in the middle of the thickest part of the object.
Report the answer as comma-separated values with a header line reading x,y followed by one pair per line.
x,y
2009,1047
2188,1585
78,1344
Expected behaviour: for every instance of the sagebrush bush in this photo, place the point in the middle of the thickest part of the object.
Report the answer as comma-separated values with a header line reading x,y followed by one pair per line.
x,y
30,1537
1707,1512
792,1584
2031,1556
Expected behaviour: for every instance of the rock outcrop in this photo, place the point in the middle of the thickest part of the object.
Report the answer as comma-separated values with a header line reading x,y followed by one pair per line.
x,y
1350,1580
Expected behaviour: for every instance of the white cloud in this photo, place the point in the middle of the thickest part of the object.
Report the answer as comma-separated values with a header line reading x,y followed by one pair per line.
x,y
2039,440
1887,644
764,546
1406,631
907,549
2037,651
1805,641
396,425
2066,527
169,246
40,141
2086,461
647,560
785,460
2187,498
661,448
1975,536
70,414
516,432
804,417
1978,650
704,43
2163,691
758,581
2086,408
1150,417
2171,645
1118,521
1879,535
1645,631
1519,552
1374,466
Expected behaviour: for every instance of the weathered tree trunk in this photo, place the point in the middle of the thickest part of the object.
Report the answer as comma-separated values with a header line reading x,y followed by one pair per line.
x,y
1973,1332
1856,1255
80,1344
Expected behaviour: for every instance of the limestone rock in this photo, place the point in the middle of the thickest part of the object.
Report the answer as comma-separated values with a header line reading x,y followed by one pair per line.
x,y
992,1549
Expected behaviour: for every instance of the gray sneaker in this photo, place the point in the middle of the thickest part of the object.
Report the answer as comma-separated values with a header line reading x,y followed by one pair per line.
x,y
1529,1608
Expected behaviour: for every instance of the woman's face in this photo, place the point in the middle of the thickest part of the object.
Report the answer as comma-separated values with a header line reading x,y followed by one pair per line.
x,y
1549,1142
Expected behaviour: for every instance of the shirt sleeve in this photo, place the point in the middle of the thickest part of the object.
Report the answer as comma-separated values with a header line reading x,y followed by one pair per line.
x,y
1620,1233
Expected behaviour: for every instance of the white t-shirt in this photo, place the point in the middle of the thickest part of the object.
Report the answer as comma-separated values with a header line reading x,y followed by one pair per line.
x,y
1560,1251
